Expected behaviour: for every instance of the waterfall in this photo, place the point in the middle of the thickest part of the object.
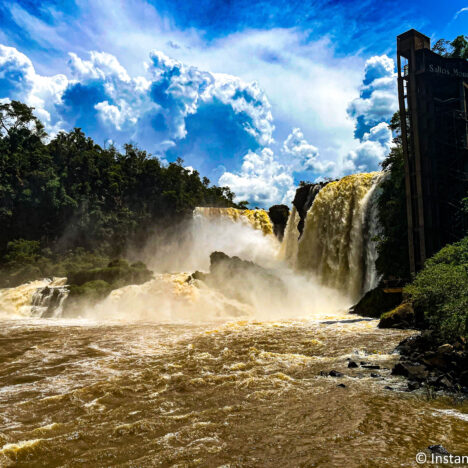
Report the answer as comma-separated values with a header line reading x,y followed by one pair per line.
x,y
258,219
337,244
289,246
372,231
44,298
48,301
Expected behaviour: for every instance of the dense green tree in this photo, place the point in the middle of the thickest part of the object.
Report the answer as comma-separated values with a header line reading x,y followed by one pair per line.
x,y
440,290
458,48
392,247
70,193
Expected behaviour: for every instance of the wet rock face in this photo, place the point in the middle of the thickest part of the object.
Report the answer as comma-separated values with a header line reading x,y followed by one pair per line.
x,y
279,217
305,196
376,302
242,280
402,316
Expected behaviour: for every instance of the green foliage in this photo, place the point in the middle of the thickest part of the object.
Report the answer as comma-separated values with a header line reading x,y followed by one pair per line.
x,y
91,291
117,273
22,252
440,289
458,48
392,246
70,194
88,286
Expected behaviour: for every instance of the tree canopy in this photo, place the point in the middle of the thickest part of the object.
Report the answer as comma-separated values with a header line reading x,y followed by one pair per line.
x,y
458,48
68,192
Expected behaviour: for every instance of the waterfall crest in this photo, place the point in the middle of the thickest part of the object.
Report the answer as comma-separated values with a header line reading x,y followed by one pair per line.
x,y
337,242
258,219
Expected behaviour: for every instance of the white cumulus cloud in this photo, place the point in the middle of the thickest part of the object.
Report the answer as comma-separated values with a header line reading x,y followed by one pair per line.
x,y
262,179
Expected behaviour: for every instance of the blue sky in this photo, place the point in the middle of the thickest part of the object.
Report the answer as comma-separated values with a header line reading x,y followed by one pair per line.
x,y
254,95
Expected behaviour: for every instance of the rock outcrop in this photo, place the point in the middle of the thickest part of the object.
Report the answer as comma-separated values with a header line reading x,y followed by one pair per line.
x,y
427,363
402,316
376,302
279,217
242,280
305,196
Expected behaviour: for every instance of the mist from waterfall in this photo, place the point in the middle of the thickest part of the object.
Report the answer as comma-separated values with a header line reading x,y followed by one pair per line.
x,y
325,269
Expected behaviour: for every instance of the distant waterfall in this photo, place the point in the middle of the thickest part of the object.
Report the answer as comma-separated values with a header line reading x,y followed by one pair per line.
x,y
48,302
44,298
258,219
338,243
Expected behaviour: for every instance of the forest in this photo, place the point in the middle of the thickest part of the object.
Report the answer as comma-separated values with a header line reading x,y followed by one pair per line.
x,y
66,203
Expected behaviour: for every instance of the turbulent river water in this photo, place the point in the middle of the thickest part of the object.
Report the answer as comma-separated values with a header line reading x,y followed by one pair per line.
x,y
137,382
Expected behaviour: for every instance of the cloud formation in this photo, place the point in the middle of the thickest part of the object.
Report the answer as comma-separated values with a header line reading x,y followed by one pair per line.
x,y
303,156
262,179
153,110
372,111
266,178
378,97
220,124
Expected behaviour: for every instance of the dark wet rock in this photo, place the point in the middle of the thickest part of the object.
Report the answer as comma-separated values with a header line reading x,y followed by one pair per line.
x,y
413,385
439,365
439,449
445,349
402,316
305,196
387,387
464,378
370,366
341,385
376,302
242,280
334,373
332,322
374,375
410,370
445,382
198,275
352,364
279,217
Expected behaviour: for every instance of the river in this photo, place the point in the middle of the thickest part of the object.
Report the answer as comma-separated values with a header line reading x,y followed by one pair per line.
x,y
236,393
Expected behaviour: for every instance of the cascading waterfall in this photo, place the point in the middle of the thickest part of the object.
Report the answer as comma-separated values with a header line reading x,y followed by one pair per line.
x,y
337,246
372,231
44,298
48,301
290,245
338,243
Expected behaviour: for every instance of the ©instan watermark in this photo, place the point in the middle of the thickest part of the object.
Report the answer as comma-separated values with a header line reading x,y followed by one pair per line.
x,y
448,459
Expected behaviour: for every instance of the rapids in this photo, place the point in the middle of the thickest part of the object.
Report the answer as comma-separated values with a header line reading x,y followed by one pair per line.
x,y
174,373
241,393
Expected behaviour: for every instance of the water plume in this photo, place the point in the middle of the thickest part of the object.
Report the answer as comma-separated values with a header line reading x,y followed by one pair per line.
x,y
244,233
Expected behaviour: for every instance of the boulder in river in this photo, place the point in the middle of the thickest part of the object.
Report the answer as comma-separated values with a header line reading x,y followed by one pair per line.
x,y
243,280
402,316
425,359
376,302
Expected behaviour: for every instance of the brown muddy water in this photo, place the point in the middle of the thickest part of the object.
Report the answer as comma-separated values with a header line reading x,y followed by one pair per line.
x,y
232,394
